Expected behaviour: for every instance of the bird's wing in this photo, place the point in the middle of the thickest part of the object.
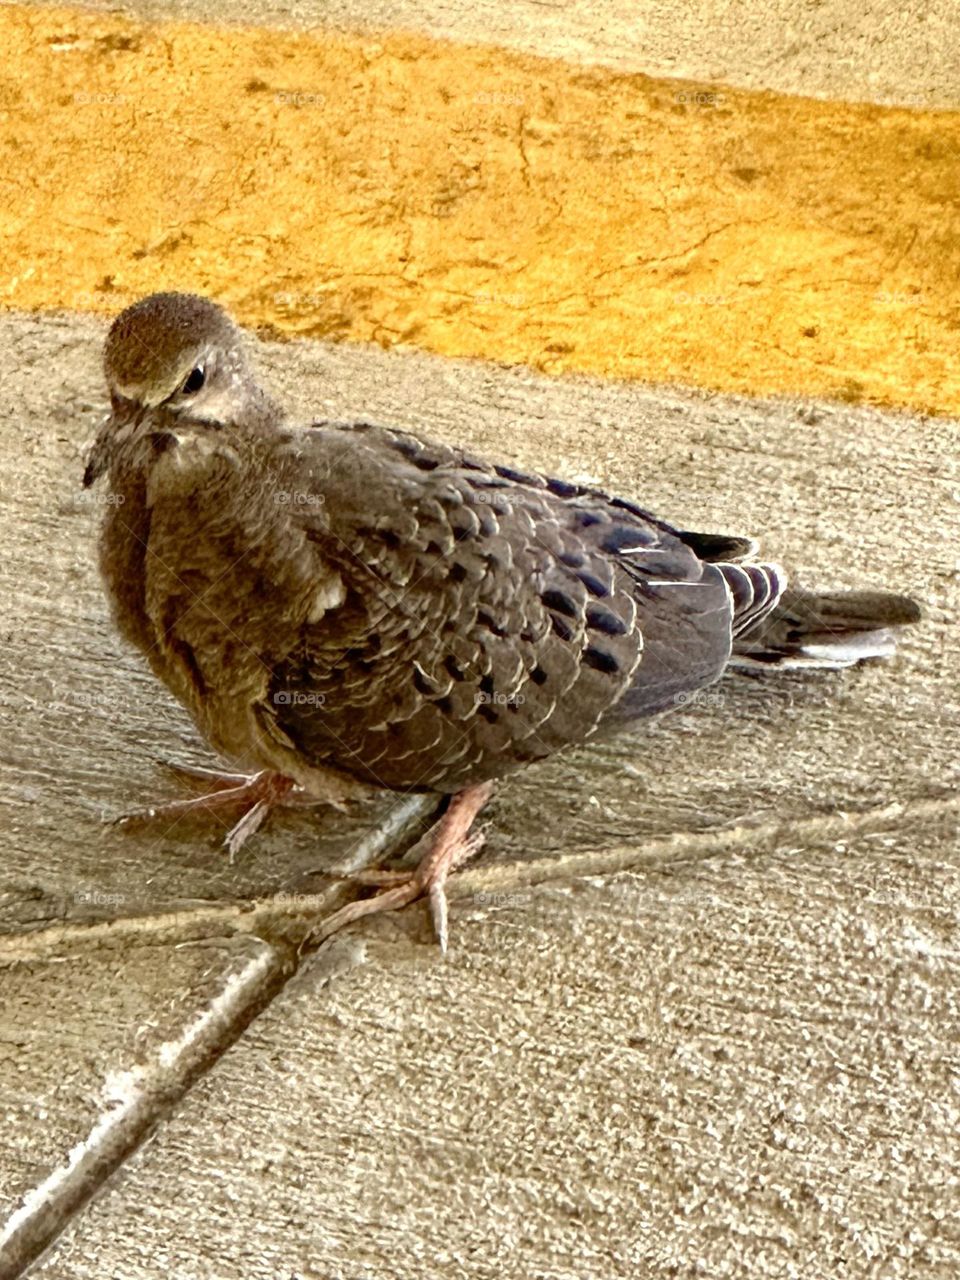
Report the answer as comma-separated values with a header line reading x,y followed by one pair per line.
x,y
491,616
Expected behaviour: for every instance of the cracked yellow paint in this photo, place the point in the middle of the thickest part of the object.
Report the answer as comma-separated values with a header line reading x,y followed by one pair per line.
x,y
479,202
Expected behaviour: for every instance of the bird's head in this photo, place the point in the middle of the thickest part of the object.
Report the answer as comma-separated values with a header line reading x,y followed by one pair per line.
x,y
171,358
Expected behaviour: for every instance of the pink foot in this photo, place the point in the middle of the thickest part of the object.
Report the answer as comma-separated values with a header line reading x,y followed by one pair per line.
x,y
447,844
256,794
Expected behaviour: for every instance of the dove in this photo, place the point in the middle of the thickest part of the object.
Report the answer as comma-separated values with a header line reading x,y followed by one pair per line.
x,y
342,606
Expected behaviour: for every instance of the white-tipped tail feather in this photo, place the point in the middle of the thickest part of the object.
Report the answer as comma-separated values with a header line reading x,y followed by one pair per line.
x,y
776,626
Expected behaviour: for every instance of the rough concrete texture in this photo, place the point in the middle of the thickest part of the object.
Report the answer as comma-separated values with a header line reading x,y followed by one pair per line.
x,y
91,1047
476,201
700,1015
730,1069
873,50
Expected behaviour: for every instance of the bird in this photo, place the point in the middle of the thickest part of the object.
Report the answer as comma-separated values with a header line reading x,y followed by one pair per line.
x,y
344,606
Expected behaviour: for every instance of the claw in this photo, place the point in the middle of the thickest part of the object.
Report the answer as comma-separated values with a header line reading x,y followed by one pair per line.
x,y
438,914
249,824
447,846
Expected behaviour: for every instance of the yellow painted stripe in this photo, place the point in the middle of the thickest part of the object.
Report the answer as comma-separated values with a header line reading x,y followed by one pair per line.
x,y
478,202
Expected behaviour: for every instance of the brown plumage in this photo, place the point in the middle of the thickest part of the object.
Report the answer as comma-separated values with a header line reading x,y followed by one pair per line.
x,y
346,603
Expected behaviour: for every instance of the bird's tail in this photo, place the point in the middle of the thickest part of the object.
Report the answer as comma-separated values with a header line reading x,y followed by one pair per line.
x,y
777,626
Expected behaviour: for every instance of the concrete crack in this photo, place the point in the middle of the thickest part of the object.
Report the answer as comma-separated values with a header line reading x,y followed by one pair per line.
x,y
137,1099
689,846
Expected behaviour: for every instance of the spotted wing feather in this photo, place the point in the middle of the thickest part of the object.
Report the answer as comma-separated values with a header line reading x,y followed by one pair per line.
x,y
492,616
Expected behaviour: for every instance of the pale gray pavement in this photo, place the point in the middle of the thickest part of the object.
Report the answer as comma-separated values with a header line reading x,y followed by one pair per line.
x,y
856,50
700,1015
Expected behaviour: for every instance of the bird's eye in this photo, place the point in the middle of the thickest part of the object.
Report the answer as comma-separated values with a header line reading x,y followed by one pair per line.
x,y
193,381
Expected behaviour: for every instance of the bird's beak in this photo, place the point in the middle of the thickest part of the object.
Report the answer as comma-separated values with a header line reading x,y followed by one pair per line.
x,y
123,417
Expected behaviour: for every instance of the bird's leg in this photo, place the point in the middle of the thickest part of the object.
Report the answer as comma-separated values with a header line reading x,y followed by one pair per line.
x,y
210,779
256,794
446,845
217,780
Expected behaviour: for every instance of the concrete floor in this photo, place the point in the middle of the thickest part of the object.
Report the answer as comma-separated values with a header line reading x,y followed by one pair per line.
x,y
871,51
700,1013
